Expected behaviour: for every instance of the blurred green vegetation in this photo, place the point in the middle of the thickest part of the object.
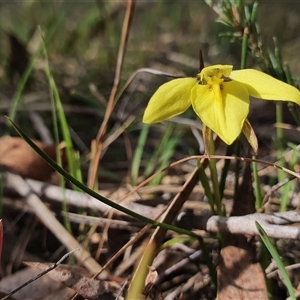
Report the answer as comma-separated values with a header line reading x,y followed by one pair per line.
x,y
165,35
91,30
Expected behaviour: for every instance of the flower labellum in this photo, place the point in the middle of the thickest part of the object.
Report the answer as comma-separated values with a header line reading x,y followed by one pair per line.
x,y
219,96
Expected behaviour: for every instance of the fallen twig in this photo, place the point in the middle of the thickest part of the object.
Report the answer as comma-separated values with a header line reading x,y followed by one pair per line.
x,y
40,274
21,186
77,199
275,225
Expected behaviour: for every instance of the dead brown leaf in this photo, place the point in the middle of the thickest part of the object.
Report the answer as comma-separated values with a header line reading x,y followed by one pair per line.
x,y
238,276
36,290
18,157
74,278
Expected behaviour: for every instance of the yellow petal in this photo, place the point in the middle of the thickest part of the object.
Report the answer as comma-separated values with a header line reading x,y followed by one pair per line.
x,y
263,86
224,109
171,99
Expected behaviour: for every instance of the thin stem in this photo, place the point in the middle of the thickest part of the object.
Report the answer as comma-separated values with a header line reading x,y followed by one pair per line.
x,y
94,194
205,184
244,48
215,181
258,195
95,161
225,169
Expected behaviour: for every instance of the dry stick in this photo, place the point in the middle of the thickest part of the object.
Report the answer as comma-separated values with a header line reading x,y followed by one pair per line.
x,y
95,92
79,199
111,102
144,230
159,233
40,127
21,245
40,274
105,232
288,268
178,201
170,211
129,259
270,164
272,190
85,201
185,286
287,157
173,209
46,216
123,249
104,236
141,232
176,205
118,132
245,225
192,257
148,226
144,70
101,222
205,156
129,155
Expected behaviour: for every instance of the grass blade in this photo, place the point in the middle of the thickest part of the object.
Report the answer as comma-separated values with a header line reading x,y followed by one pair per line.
x,y
266,240
94,194
22,82
138,153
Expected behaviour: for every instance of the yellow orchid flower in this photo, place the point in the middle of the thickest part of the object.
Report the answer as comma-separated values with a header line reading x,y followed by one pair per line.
x,y
219,96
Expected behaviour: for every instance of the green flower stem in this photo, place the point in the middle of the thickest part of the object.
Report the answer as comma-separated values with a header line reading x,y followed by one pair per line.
x,y
244,48
95,194
136,162
214,178
280,151
258,195
279,135
225,169
205,184
237,165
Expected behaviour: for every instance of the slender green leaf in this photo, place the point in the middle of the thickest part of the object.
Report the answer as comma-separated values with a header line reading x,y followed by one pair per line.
x,y
94,194
266,240
22,82
136,162
58,113
176,240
